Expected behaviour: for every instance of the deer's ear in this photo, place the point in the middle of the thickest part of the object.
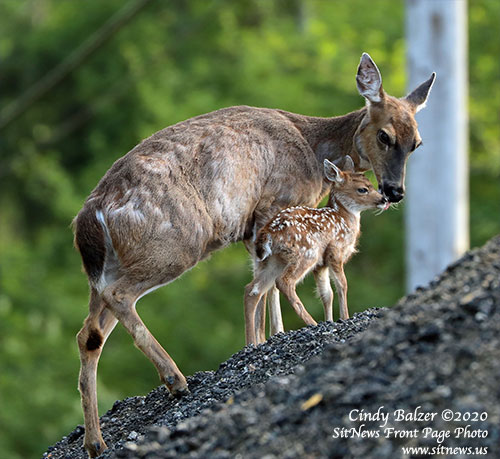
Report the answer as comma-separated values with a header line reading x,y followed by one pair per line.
x,y
369,80
418,97
332,172
348,164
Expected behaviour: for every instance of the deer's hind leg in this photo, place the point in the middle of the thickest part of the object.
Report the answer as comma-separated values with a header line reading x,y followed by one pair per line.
x,y
121,297
264,278
287,282
97,327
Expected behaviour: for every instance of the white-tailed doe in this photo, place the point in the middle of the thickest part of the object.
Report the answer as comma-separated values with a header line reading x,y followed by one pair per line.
x,y
206,182
303,239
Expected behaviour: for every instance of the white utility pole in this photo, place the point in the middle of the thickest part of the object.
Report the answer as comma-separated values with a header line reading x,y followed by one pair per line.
x,y
437,202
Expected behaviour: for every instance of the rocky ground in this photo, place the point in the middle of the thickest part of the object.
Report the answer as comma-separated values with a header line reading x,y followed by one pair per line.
x,y
427,371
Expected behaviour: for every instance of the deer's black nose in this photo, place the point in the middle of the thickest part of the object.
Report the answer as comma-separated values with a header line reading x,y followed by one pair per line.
x,y
392,192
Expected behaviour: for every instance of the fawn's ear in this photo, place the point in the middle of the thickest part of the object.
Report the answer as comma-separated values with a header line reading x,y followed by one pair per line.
x,y
418,97
332,172
369,80
348,164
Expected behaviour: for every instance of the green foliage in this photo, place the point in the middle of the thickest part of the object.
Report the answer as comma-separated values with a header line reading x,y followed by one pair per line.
x,y
175,60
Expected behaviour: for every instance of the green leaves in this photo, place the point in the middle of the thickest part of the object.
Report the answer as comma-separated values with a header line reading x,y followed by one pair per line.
x,y
175,60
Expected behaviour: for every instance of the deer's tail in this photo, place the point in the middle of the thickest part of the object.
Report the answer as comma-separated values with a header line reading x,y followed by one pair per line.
x,y
90,240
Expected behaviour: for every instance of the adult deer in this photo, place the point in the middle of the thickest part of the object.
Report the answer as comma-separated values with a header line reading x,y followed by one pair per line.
x,y
203,183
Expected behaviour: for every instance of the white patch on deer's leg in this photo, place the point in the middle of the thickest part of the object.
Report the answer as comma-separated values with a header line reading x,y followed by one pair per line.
x,y
255,289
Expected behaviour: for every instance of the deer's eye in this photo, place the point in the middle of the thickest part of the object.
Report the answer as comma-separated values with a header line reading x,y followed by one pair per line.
x,y
362,190
383,137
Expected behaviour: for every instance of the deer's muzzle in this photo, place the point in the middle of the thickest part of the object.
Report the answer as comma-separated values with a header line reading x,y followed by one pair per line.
x,y
393,192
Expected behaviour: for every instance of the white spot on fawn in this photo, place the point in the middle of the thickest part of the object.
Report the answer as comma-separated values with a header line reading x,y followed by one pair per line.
x,y
310,253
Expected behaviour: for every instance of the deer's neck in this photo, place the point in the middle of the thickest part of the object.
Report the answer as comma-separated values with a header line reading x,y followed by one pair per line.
x,y
344,208
332,138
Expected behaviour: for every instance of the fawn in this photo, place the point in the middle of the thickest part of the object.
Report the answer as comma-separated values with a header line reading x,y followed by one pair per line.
x,y
206,182
300,239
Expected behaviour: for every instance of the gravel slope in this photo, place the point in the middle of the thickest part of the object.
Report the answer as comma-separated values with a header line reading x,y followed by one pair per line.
x,y
438,349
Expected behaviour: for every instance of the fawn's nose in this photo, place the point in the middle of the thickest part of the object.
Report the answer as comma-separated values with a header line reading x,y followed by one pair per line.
x,y
392,192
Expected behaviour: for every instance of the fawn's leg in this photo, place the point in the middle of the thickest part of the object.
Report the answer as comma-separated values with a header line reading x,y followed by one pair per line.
x,y
91,338
275,317
264,278
322,278
286,284
253,295
260,320
341,287
260,312
276,321
121,297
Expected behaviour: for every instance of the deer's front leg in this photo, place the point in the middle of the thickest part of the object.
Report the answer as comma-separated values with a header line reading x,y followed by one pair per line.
x,y
322,278
341,287
253,295
275,317
260,320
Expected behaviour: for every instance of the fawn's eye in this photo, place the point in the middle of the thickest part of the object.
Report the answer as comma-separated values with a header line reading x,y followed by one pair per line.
x,y
383,137
362,190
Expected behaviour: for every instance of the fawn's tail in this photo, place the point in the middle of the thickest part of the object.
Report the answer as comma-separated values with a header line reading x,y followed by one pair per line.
x,y
263,247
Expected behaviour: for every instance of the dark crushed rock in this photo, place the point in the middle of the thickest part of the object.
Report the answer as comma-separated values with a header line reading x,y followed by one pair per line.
x,y
437,349
279,355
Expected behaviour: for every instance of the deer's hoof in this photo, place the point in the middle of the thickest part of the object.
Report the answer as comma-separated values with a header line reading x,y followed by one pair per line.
x,y
96,448
181,392
177,385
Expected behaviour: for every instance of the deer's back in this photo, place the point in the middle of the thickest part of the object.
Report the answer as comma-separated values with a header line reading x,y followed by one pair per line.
x,y
205,181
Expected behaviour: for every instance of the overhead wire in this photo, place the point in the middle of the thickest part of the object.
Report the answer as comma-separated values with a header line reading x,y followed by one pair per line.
x,y
72,61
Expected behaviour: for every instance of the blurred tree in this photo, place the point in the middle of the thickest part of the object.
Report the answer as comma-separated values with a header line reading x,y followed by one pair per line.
x,y
172,61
